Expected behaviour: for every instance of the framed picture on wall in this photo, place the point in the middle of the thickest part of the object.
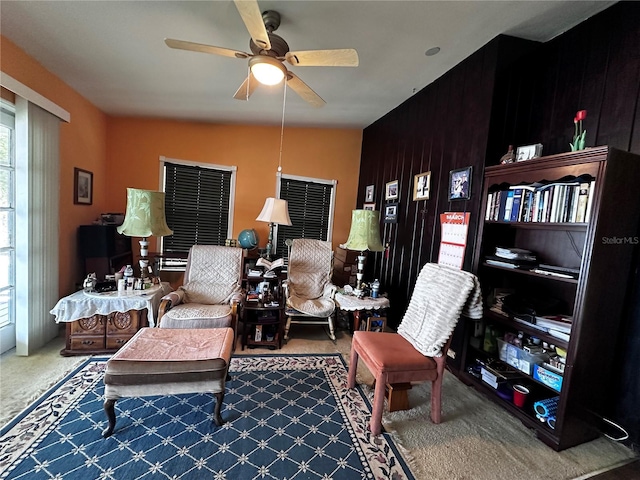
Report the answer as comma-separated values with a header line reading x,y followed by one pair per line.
x,y
391,192
460,184
391,213
82,187
421,186
368,194
369,206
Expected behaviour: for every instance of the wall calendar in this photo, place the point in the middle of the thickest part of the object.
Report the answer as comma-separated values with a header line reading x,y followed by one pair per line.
x,y
455,227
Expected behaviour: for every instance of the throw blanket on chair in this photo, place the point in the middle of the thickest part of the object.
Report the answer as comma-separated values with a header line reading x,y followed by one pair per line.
x,y
440,296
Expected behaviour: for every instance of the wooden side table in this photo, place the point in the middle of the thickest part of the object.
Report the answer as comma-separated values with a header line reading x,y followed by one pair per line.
x,y
268,319
351,303
98,323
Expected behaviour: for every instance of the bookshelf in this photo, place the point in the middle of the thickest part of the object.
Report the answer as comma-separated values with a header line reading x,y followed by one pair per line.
x,y
601,248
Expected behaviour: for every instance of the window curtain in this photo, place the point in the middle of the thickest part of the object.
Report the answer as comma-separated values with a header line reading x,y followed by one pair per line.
x,y
37,214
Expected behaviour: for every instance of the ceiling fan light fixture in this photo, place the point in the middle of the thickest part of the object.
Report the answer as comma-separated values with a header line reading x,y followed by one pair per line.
x,y
267,70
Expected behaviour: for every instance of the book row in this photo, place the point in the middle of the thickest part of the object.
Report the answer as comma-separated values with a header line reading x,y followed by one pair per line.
x,y
565,202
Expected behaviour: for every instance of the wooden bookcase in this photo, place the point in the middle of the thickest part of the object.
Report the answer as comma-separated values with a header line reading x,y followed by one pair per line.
x,y
602,247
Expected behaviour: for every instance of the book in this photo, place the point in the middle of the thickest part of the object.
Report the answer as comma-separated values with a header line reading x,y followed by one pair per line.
x,y
516,205
587,214
559,323
583,197
507,207
269,266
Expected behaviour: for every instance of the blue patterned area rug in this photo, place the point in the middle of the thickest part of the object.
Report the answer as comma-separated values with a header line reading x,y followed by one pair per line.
x,y
287,417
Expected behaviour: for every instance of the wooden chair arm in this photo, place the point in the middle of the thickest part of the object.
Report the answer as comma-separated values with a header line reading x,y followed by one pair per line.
x,y
167,302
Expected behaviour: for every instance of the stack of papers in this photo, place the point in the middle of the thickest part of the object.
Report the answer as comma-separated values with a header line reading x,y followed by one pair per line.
x,y
515,254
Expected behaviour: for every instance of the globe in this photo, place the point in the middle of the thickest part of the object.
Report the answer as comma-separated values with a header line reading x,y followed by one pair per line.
x,y
248,239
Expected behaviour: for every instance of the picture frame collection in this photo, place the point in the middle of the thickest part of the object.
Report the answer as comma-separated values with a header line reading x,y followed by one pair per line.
x,y
459,188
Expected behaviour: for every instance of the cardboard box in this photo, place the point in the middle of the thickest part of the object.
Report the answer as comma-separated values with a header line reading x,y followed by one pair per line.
x,y
549,378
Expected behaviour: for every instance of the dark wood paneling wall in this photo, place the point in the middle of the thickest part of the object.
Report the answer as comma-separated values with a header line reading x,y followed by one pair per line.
x,y
509,92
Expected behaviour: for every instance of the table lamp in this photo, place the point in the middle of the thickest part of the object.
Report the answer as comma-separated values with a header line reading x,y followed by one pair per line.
x,y
363,236
275,212
144,217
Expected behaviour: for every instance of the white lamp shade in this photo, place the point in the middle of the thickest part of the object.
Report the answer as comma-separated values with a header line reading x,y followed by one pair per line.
x,y
275,210
267,70
145,214
365,231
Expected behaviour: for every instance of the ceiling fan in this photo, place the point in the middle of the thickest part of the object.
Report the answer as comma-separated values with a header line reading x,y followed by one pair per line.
x,y
269,52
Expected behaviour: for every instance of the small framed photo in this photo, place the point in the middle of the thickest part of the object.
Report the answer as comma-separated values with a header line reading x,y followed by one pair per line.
x,y
82,187
369,206
460,184
391,213
391,192
527,152
368,194
421,186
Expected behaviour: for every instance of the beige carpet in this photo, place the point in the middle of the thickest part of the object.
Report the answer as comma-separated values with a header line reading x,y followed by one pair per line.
x,y
477,440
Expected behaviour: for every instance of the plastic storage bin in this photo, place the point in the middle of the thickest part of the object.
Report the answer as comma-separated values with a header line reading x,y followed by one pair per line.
x,y
518,358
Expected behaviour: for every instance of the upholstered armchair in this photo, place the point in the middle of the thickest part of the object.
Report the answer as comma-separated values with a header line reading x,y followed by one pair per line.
x,y
309,290
211,291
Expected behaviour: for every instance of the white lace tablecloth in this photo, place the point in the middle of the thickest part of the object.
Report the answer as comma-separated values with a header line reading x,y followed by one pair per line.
x,y
83,304
351,303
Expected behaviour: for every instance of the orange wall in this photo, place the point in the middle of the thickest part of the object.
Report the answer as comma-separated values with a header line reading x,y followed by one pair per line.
x,y
124,152
82,145
136,145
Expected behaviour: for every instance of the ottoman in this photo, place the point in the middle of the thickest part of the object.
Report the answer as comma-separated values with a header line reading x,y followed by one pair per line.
x,y
161,361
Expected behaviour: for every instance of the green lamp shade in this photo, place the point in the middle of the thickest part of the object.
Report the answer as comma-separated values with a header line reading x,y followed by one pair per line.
x,y
365,231
145,214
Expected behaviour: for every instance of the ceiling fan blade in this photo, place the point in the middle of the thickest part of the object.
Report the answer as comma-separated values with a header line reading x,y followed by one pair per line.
x,y
200,47
345,57
247,88
304,90
252,17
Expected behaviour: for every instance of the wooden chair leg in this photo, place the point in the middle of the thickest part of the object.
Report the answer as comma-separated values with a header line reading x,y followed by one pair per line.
x,y
353,368
217,418
286,328
332,335
375,425
110,410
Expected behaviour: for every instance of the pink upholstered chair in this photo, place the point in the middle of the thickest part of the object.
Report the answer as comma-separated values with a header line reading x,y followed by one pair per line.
x,y
417,353
211,291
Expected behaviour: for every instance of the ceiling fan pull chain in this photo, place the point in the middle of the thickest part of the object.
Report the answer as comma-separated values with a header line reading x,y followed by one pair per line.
x,y
284,103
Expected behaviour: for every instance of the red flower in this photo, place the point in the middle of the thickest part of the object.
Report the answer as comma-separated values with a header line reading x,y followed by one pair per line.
x,y
581,115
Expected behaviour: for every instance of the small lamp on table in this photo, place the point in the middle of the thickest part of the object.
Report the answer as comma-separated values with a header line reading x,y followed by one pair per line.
x,y
364,236
275,212
144,217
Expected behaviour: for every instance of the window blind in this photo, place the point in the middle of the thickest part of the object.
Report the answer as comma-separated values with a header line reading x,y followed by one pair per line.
x,y
309,210
196,206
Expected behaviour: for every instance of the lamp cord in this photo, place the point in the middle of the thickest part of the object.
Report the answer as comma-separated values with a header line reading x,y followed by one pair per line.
x,y
284,104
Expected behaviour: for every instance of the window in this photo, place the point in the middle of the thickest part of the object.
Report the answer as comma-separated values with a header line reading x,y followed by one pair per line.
x,y
198,204
7,226
311,203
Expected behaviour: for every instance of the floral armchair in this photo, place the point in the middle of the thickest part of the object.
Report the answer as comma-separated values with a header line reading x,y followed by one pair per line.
x,y
211,291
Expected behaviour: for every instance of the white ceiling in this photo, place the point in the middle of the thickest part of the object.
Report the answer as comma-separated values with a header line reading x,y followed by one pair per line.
x,y
113,52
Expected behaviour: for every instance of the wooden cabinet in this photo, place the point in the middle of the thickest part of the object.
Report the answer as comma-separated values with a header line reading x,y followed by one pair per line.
x,y
601,250
345,266
102,333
